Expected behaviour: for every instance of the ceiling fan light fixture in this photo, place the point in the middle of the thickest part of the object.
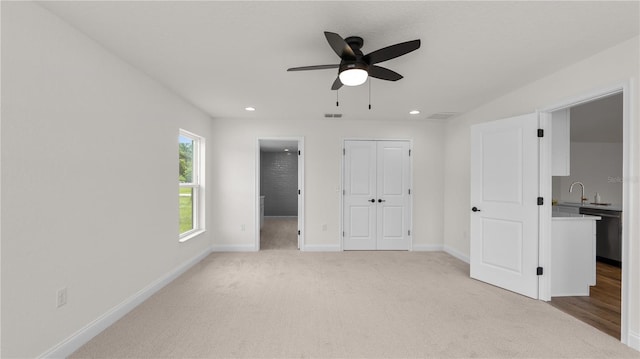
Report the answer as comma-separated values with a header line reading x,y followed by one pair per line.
x,y
353,77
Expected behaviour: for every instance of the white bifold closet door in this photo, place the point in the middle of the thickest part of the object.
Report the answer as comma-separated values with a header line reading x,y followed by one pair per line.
x,y
376,195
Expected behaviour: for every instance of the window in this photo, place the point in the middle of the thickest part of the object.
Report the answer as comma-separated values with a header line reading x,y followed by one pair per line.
x,y
191,180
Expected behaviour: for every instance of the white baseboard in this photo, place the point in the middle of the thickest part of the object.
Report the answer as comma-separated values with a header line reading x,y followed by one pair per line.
x,y
427,247
634,340
321,248
233,248
456,253
82,336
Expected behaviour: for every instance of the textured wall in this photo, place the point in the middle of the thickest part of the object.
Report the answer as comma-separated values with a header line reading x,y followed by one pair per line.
x,y
279,183
70,216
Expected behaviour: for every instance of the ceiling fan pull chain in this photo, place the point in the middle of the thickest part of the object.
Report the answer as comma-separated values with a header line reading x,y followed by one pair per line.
x,y
337,102
369,94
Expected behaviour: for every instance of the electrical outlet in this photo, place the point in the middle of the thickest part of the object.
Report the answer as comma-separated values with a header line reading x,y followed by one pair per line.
x,y
61,297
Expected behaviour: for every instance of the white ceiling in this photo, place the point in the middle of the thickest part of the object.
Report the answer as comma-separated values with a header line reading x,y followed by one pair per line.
x,y
225,56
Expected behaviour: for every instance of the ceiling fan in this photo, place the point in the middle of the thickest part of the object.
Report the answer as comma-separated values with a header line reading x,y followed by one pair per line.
x,y
354,67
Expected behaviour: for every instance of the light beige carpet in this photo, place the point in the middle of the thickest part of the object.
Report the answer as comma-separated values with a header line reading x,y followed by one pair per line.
x,y
290,304
279,233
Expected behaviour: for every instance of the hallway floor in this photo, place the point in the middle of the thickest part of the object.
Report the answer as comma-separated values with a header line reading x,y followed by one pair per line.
x,y
279,233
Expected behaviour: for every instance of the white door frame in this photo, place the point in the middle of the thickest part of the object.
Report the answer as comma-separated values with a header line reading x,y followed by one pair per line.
x,y
342,189
629,190
301,182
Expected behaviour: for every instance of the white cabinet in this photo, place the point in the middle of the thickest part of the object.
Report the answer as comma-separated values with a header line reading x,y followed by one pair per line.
x,y
560,142
573,256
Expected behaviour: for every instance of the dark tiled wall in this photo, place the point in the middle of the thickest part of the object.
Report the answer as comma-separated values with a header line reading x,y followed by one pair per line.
x,y
279,183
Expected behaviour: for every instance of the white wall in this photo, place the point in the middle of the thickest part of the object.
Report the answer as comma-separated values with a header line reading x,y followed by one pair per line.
x,y
89,180
599,167
610,67
234,146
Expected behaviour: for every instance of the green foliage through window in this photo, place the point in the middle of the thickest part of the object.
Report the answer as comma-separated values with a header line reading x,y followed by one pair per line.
x,y
189,176
185,149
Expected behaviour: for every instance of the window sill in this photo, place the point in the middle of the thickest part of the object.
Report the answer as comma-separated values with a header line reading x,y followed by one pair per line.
x,y
188,235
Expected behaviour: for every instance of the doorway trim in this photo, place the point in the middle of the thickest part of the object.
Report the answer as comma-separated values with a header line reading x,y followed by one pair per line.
x,y
301,182
342,189
629,191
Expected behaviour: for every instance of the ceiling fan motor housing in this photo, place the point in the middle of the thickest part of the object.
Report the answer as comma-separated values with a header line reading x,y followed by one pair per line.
x,y
355,42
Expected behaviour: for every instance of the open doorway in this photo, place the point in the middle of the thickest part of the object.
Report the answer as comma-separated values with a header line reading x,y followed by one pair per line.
x,y
588,201
279,185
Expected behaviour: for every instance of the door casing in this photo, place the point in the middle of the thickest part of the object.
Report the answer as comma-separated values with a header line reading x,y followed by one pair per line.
x,y
300,141
629,190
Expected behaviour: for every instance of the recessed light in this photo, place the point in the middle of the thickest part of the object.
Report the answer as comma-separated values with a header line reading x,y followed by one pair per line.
x,y
286,150
250,108
414,112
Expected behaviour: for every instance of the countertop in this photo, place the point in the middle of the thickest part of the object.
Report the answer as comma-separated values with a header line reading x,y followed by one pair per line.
x,y
565,216
613,207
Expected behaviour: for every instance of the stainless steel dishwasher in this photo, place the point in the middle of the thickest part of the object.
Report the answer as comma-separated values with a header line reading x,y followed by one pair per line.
x,y
608,234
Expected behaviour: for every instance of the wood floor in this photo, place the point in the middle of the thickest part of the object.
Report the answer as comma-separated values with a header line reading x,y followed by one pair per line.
x,y
601,308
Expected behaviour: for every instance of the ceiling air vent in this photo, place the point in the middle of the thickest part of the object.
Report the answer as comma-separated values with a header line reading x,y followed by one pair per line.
x,y
333,115
442,115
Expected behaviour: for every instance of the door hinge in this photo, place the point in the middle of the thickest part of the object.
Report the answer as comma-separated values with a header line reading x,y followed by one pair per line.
x,y
344,151
409,190
409,153
299,153
409,232
539,271
298,191
540,201
344,192
343,233
540,132
298,232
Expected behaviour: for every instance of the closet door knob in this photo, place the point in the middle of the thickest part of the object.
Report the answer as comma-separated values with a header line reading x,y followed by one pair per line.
x,y
381,200
372,200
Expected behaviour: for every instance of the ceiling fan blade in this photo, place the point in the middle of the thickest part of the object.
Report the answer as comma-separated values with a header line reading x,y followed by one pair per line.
x,y
383,73
340,46
336,84
391,52
316,67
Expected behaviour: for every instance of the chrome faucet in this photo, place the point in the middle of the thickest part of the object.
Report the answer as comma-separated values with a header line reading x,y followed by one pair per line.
x,y
582,197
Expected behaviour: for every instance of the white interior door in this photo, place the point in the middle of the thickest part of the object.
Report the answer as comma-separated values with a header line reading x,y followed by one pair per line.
x,y
376,195
360,195
504,192
393,195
